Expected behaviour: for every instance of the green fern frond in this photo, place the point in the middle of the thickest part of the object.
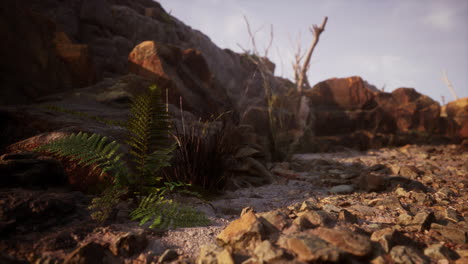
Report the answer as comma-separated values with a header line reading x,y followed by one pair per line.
x,y
148,134
166,214
103,205
89,149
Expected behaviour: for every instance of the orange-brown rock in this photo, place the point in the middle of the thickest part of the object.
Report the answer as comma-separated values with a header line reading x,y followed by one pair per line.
x,y
184,73
458,112
410,110
344,93
350,112
77,58
243,233
345,240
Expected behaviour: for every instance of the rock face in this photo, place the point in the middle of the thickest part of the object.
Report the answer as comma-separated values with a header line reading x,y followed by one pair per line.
x,y
32,64
30,169
350,112
410,110
111,29
458,111
184,73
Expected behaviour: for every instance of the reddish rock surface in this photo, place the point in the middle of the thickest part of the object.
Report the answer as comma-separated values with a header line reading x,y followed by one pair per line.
x,y
184,73
411,110
352,113
30,65
458,111
343,93
77,58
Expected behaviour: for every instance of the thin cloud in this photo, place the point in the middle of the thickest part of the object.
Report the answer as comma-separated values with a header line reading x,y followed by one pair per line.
x,y
442,19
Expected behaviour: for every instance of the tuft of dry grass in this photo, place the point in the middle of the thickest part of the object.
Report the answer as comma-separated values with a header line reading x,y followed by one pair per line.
x,y
205,152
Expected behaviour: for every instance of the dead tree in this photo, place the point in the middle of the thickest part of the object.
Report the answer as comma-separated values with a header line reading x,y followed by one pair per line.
x,y
301,71
261,61
449,85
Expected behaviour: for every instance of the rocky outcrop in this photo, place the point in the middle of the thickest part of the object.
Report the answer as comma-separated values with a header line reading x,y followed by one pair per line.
x,y
112,28
458,112
350,112
410,110
185,75
30,169
33,65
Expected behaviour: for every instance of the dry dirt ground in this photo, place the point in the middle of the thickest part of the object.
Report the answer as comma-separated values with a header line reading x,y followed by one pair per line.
x,y
392,205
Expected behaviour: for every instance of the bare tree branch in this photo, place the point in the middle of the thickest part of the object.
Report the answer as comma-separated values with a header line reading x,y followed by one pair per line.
x,y
449,85
316,31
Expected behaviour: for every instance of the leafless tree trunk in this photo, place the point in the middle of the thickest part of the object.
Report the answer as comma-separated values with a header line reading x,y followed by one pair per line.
x,y
302,72
449,85
261,63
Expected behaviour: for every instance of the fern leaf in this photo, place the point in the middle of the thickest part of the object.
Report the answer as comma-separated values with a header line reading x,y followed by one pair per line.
x,y
87,150
148,135
165,213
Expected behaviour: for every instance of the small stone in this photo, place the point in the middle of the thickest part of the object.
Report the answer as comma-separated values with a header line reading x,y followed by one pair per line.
x,y
445,192
308,205
427,179
330,208
225,257
277,219
347,217
395,169
390,202
246,210
168,255
400,192
342,189
310,248
378,260
452,215
420,222
440,252
265,251
409,172
421,198
312,219
345,240
406,255
208,254
242,232
456,235
385,237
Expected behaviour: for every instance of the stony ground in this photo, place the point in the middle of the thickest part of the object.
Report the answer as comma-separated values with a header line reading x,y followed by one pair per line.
x,y
399,205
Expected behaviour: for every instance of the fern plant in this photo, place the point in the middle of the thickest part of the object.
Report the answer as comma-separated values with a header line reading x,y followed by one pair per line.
x,y
148,137
166,213
88,150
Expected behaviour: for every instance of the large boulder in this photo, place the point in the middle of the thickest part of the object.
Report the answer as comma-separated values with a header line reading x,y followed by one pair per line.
x,y
353,113
342,106
184,73
458,112
343,93
411,110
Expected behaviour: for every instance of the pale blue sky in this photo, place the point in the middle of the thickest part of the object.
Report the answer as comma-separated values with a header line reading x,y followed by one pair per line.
x,y
396,43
